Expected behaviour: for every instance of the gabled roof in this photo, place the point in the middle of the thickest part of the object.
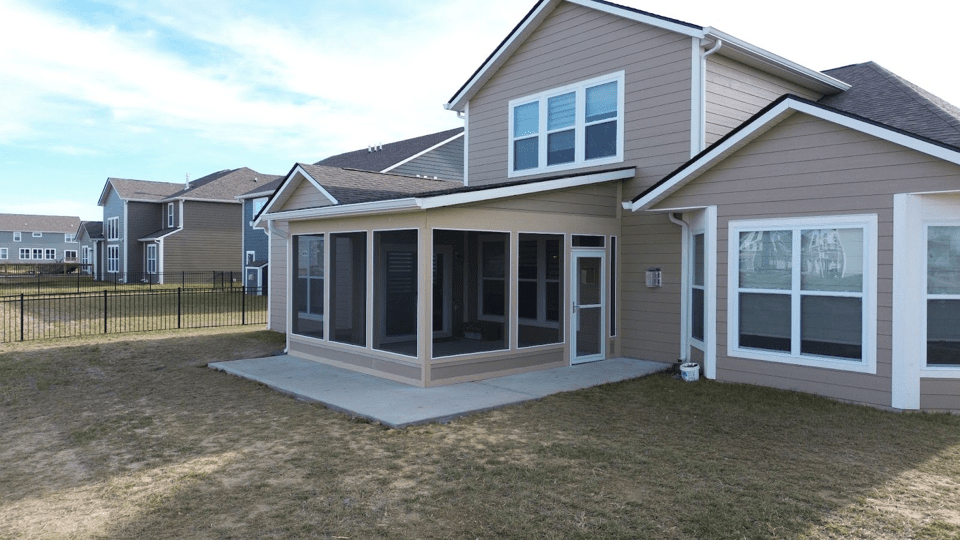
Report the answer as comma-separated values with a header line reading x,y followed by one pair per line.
x,y
885,97
222,186
390,155
138,190
93,229
733,47
37,223
770,116
265,190
354,192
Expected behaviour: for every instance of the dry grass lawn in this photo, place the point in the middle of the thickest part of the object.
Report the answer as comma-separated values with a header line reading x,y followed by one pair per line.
x,y
132,437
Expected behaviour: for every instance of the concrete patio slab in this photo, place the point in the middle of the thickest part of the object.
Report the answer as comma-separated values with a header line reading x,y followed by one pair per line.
x,y
399,405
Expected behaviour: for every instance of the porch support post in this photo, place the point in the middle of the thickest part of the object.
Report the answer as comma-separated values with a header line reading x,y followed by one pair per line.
x,y
425,301
710,293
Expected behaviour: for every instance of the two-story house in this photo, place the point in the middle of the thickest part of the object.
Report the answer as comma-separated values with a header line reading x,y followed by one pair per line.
x,y
436,155
158,229
645,187
33,239
90,239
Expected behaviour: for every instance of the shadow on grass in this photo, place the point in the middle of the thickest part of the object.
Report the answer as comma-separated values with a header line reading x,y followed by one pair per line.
x,y
653,457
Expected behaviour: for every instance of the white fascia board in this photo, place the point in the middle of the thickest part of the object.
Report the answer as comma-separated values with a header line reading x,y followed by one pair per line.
x,y
770,59
503,50
775,115
256,195
525,189
103,194
285,186
415,156
194,199
154,239
641,17
347,210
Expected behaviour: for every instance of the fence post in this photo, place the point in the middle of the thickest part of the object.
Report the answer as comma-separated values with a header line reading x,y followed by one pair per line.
x,y
21,316
183,278
104,311
178,306
243,303
38,278
78,280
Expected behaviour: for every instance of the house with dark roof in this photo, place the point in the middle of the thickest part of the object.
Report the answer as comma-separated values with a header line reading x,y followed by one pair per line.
x,y
436,155
90,238
36,239
638,186
158,229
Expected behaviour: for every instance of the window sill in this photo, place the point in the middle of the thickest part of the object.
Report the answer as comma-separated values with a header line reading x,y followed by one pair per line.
x,y
937,372
857,366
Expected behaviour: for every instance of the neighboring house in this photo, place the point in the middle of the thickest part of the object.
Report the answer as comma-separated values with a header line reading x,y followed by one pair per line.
x,y
32,239
154,229
90,238
437,155
644,187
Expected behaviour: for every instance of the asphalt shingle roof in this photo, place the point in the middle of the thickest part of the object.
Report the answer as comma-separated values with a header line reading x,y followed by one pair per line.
x,y
883,96
390,154
143,190
94,229
36,223
223,185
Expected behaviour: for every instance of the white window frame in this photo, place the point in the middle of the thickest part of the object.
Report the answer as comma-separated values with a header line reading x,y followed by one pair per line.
x,y
151,258
69,238
17,236
251,257
24,254
36,254
4,253
113,228
38,235
113,259
579,127
49,254
67,252
866,222
699,343
257,205
170,216
84,255
926,370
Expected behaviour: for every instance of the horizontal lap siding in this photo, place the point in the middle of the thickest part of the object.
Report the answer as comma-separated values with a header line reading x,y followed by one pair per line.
x,y
940,394
735,92
211,239
279,275
143,219
306,195
809,167
599,201
445,163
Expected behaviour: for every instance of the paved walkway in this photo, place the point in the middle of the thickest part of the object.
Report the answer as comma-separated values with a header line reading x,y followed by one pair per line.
x,y
399,405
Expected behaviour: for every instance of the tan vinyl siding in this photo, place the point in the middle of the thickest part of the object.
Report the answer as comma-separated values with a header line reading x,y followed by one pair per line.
x,y
735,92
940,394
306,195
211,239
573,44
810,167
358,360
598,201
278,278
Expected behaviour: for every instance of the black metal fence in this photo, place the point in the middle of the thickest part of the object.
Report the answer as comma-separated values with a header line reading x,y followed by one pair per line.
x,y
62,278
45,316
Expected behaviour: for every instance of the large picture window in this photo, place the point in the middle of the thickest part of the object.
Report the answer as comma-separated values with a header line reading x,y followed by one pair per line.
x,y
803,291
574,126
943,296
308,287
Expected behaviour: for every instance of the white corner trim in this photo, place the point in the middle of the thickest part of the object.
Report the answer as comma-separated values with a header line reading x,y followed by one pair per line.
x,y
466,144
697,96
710,294
907,304
418,154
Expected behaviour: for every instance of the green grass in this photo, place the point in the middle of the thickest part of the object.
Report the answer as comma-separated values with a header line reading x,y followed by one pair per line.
x,y
132,437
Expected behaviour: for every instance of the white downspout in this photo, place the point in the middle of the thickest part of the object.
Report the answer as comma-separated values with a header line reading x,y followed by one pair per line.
x,y
684,288
703,91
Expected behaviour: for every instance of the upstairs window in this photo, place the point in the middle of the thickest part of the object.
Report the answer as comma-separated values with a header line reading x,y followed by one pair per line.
x,y
17,236
38,235
579,125
113,228
170,216
69,238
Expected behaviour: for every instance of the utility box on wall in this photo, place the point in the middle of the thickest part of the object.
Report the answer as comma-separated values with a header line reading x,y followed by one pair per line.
x,y
654,278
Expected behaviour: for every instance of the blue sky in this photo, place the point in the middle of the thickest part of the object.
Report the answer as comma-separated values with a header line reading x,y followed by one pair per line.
x,y
158,89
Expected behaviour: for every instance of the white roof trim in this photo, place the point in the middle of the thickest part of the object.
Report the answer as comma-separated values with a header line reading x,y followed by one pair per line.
x,y
278,195
640,17
415,156
164,235
453,199
255,195
773,116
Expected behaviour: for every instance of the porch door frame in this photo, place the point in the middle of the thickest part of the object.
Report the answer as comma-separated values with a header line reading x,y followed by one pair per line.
x,y
575,309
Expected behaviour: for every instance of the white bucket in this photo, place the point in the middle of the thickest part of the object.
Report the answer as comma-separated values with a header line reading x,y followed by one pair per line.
x,y
690,371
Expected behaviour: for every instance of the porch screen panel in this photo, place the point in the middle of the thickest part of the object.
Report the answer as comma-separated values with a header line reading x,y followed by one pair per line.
x,y
348,288
395,291
473,305
308,285
539,296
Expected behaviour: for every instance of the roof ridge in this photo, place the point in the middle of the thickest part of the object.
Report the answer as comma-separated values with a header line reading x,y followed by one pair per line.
x,y
930,101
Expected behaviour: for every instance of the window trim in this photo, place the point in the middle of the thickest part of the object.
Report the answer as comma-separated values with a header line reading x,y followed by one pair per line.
x,y
152,258
170,216
67,252
36,254
49,254
579,126
541,282
926,370
113,259
17,236
866,222
4,253
113,228
698,343
24,254
69,238
38,235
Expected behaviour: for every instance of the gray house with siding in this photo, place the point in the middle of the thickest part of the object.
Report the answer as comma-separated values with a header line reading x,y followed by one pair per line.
x,y
90,238
36,239
640,186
